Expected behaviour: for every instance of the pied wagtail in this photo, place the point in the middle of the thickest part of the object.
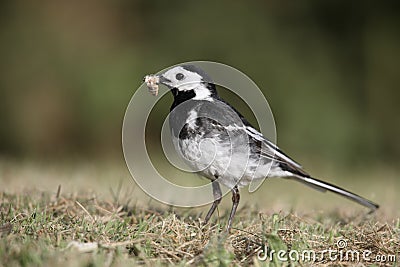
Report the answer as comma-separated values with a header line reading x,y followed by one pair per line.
x,y
219,143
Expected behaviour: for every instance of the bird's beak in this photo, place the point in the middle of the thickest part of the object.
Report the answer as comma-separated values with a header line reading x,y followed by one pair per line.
x,y
163,80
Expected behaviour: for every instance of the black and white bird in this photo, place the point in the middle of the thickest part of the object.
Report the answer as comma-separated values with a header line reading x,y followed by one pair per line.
x,y
215,140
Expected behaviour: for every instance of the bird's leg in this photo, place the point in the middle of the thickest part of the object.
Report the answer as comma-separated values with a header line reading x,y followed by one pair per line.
x,y
217,199
235,203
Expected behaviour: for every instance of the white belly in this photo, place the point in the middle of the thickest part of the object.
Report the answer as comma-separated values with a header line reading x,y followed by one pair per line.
x,y
231,165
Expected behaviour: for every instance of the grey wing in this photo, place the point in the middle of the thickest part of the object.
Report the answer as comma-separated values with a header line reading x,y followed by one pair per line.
x,y
226,119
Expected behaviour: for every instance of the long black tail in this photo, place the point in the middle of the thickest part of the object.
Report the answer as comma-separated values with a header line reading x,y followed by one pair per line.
x,y
324,186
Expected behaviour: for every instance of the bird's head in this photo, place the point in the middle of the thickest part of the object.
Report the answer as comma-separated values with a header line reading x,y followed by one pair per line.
x,y
188,80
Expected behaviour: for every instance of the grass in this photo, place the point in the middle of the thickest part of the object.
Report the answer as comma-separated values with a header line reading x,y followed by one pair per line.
x,y
68,227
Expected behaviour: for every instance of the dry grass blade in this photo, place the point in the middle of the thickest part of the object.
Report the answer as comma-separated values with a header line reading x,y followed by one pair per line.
x,y
85,210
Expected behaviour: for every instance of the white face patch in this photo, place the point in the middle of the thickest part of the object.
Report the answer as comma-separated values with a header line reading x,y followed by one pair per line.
x,y
182,79
185,80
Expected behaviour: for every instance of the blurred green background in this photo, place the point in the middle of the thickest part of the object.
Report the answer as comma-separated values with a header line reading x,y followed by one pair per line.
x,y
330,70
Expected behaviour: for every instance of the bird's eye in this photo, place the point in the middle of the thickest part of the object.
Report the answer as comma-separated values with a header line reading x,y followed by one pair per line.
x,y
179,76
